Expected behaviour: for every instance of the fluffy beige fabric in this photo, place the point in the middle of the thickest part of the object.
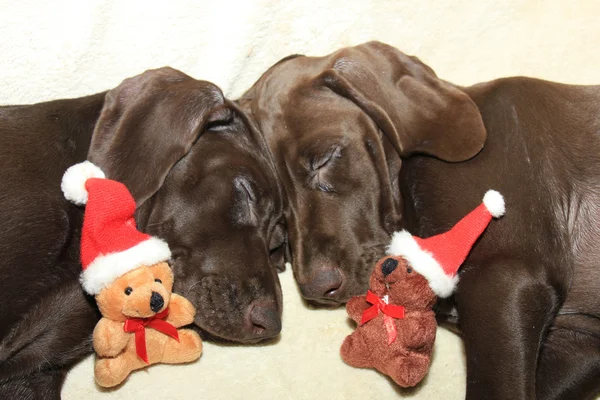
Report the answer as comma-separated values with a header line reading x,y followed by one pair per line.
x,y
62,48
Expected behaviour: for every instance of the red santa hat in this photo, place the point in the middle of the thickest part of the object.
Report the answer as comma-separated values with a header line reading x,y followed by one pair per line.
x,y
111,245
438,258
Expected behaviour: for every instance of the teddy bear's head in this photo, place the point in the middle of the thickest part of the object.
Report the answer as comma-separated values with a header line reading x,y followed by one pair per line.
x,y
140,293
393,276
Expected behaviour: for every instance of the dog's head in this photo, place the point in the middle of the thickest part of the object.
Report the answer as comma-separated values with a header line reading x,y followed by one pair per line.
x,y
203,181
140,293
339,127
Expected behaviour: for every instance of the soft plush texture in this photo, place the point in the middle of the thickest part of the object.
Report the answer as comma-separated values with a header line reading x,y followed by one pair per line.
x,y
127,301
106,268
69,48
494,202
406,355
74,179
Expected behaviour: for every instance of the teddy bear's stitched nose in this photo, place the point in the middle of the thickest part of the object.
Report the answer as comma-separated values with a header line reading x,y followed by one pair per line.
x,y
389,266
156,302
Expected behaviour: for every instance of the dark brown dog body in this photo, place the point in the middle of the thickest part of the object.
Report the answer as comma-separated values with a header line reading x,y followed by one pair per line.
x,y
369,140
203,180
528,297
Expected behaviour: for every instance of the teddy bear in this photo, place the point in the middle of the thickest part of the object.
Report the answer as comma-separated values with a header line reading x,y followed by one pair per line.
x,y
396,323
127,272
133,303
399,337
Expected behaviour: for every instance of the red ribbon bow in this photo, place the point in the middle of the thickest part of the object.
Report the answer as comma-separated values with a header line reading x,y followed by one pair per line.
x,y
138,326
389,311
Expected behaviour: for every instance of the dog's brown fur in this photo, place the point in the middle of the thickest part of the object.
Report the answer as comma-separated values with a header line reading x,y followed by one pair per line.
x,y
203,180
368,141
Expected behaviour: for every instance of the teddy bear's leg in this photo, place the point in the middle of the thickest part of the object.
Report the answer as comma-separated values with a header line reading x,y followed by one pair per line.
x,y
408,371
110,372
189,348
355,351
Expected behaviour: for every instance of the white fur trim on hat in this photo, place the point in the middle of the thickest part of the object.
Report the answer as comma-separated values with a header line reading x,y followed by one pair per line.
x,y
108,267
73,181
404,245
494,202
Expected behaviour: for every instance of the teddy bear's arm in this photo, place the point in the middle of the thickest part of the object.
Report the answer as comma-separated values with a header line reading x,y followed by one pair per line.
x,y
109,338
181,311
356,306
422,328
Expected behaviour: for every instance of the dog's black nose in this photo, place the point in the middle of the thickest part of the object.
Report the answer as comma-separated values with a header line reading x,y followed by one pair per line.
x,y
389,266
156,302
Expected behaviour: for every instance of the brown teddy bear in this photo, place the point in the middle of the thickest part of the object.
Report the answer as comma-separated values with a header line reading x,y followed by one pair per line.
x,y
127,272
399,335
396,324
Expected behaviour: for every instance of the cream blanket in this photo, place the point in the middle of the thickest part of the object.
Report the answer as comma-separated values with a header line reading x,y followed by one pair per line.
x,y
61,48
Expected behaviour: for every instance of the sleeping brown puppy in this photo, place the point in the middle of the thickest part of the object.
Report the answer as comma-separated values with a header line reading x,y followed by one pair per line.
x,y
203,180
368,140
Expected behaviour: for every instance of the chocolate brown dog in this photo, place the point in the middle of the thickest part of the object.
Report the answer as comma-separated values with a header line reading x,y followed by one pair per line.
x,y
369,140
203,180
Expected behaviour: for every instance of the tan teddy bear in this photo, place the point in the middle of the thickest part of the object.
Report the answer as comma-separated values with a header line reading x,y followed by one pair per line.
x,y
128,306
127,272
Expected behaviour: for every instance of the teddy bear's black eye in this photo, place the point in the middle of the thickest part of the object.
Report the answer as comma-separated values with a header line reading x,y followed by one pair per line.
x,y
157,280
409,270
128,290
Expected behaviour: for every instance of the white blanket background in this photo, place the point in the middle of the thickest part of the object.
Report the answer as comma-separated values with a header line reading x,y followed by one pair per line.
x,y
61,48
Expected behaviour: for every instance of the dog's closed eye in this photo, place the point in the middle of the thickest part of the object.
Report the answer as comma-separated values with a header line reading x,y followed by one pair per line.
x,y
318,166
324,159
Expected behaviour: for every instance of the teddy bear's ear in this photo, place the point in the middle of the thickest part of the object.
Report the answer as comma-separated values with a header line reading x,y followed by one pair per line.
x,y
163,272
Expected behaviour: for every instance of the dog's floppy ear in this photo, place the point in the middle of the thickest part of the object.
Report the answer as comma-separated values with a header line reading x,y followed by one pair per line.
x,y
416,110
148,123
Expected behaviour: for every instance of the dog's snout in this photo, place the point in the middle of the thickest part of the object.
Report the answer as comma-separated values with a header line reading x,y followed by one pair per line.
x,y
263,319
389,266
326,285
156,302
